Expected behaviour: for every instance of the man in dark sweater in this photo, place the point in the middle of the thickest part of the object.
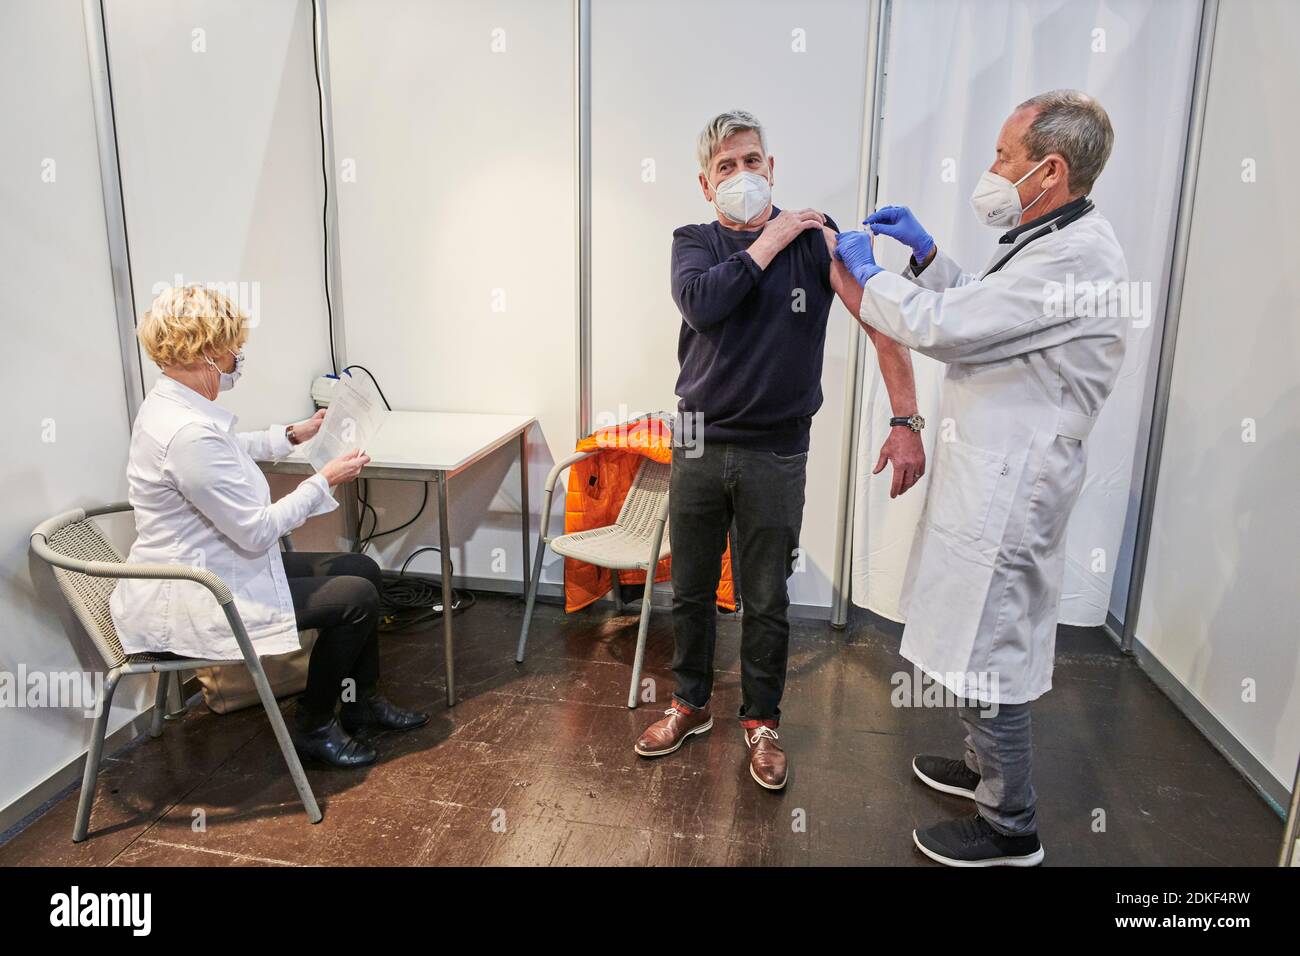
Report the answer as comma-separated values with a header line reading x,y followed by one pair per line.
x,y
754,292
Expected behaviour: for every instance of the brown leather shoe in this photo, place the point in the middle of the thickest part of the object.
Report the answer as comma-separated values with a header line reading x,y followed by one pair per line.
x,y
766,759
670,732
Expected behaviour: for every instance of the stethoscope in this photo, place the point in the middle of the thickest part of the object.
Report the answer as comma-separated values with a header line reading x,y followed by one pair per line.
x,y
1054,226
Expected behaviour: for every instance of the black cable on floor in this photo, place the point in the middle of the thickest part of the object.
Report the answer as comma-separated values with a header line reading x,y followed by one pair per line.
x,y
409,601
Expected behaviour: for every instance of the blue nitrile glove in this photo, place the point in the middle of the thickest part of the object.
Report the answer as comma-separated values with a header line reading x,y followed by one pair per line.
x,y
854,250
897,222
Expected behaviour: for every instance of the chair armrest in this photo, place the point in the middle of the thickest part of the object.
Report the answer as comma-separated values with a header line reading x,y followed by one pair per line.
x,y
552,479
554,474
111,509
112,569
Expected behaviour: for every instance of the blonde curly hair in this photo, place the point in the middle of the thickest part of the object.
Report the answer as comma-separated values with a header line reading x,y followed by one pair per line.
x,y
183,324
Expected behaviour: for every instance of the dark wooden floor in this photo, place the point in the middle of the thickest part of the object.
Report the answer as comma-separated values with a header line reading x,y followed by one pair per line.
x,y
535,766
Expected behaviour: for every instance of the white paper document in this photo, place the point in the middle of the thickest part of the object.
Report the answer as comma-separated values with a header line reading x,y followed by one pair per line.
x,y
356,413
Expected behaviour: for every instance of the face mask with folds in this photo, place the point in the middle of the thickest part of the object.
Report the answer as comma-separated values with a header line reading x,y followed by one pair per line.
x,y
228,379
996,200
743,197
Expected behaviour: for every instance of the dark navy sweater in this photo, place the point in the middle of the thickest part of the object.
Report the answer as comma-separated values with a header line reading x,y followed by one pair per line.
x,y
751,343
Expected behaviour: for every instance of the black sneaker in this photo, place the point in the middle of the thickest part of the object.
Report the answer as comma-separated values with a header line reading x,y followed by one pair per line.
x,y
946,775
970,841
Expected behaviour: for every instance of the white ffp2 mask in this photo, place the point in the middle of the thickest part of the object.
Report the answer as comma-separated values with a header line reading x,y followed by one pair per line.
x,y
996,199
743,197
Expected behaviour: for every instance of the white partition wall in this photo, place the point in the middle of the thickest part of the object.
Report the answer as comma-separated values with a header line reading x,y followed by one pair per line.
x,y
453,126
66,429
955,70
659,73
1220,606
220,160
454,132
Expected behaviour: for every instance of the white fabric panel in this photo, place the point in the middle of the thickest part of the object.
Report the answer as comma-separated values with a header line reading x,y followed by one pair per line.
x,y
1219,603
65,430
220,156
659,73
453,125
955,71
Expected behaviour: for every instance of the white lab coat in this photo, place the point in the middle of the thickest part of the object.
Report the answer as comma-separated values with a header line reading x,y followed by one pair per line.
x,y
1020,393
200,499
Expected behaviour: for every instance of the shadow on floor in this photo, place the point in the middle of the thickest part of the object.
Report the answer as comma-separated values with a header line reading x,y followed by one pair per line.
x,y
534,766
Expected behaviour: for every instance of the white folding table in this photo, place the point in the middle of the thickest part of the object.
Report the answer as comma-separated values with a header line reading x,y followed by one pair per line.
x,y
433,447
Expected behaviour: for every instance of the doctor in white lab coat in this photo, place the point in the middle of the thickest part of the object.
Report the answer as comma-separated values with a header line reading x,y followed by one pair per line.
x,y
1033,346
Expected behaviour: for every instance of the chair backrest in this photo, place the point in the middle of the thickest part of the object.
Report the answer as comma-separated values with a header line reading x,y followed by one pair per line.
x,y
645,499
88,596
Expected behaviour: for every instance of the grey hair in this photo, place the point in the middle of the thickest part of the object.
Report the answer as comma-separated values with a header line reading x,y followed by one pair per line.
x,y
722,126
1075,125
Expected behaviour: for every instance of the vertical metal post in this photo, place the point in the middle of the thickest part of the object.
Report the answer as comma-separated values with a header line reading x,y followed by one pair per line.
x,y
868,169
175,703
329,170
582,204
1169,335
1292,831
333,263
110,180
444,552
525,515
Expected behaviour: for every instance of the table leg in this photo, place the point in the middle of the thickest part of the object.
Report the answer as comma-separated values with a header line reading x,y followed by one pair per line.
x,y
444,544
351,510
525,516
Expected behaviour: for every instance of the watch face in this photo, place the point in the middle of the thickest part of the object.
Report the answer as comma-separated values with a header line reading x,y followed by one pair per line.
x,y
917,423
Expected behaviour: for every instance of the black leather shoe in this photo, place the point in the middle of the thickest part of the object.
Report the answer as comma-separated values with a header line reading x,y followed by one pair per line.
x,y
333,745
378,713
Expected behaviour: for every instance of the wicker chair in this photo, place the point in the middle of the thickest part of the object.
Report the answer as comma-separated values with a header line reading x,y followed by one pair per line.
x,y
637,540
87,567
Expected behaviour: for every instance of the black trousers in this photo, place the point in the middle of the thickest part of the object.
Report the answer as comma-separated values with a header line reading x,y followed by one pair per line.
x,y
712,485
339,595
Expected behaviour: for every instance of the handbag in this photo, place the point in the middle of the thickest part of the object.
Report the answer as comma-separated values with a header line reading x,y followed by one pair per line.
x,y
227,689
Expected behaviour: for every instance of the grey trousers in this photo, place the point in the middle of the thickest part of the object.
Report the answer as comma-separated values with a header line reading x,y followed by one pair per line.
x,y
999,749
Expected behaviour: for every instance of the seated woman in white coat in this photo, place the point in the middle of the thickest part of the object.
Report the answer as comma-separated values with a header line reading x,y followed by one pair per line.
x,y
199,497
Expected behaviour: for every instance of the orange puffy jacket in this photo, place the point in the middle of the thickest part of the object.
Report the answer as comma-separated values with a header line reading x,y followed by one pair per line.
x,y
597,487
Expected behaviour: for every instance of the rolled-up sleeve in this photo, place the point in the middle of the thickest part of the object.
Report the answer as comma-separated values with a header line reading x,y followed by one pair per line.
x,y
206,468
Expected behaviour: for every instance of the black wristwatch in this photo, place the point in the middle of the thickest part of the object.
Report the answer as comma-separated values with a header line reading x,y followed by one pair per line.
x,y
914,422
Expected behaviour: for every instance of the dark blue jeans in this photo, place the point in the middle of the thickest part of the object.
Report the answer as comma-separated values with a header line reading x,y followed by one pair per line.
x,y
764,494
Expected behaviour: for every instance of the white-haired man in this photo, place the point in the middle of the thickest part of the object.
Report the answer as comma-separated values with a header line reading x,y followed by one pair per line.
x,y
1026,377
754,291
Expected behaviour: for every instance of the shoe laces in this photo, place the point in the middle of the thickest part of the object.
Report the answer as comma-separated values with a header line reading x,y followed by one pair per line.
x,y
761,731
975,829
675,711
